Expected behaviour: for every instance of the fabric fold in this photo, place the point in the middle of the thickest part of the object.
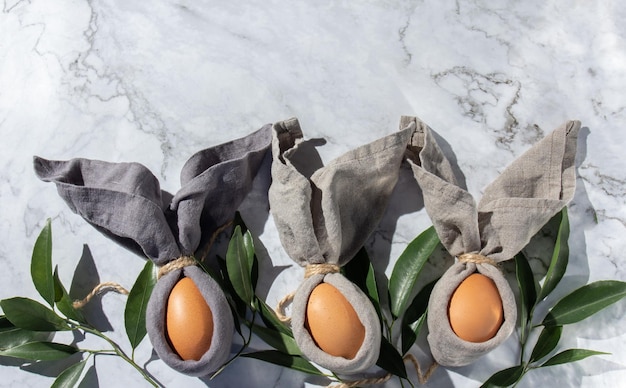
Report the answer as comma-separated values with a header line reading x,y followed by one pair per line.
x,y
512,209
124,201
324,216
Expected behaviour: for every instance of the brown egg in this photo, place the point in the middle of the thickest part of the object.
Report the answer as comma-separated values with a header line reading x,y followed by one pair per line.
x,y
475,309
189,321
334,325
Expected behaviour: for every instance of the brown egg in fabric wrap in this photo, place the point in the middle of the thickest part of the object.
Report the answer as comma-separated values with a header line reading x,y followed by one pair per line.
x,y
531,190
323,216
124,201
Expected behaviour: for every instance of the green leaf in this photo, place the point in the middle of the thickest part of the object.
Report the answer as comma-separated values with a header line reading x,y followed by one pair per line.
x,y
528,291
547,341
64,302
293,362
41,264
40,351
408,267
571,355
31,315
413,319
505,377
390,360
270,319
238,266
138,297
359,271
277,340
69,377
11,336
252,262
585,301
560,257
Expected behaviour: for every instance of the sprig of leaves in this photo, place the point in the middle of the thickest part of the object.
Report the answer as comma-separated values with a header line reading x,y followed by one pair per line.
x,y
27,324
576,306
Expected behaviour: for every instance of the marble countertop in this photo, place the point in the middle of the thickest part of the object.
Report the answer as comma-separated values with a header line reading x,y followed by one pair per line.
x,y
154,82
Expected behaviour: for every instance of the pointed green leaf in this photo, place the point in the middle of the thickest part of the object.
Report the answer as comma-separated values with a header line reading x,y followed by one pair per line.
x,y
11,336
69,377
585,301
547,341
64,302
528,291
505,377
359,271
237,306
560,257
270,319
390,360
571,355
238,266
415,315
248,243
40,351
41,264
31,315
281,359
137,303
408,268
277,340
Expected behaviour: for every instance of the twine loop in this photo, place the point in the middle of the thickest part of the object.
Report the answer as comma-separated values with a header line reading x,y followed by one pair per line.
x,y
309,270
477,259
421,377
105,286
181,262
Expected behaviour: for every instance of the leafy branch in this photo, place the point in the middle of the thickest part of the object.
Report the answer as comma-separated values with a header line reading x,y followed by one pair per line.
x,y
26,323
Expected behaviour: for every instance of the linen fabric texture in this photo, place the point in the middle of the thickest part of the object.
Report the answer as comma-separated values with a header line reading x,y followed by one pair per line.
x,y
124,201
514,207
325,216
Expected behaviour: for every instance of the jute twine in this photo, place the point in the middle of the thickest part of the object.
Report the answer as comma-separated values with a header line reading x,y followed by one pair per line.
x,y
421,377
309,270
477,259
181,262
106,286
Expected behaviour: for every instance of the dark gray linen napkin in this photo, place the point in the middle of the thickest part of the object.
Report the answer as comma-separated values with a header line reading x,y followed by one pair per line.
x,y
512,209
124,201
325,218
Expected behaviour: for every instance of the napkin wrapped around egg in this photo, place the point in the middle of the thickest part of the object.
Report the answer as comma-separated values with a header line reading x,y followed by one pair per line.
x,y
323,218
124,201
514,207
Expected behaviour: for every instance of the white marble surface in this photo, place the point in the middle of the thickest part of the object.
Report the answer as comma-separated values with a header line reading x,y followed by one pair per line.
x,y
153,82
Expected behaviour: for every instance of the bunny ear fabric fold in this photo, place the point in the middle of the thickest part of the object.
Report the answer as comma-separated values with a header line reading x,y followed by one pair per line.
x,y
124,201
215,182
323,217
514,207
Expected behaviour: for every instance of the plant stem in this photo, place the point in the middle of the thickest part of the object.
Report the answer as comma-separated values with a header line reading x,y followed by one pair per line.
x,y
119,352
243,347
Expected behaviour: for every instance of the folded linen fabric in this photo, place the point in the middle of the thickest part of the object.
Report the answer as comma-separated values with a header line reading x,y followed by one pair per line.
x,y
124,201
512,209
323,218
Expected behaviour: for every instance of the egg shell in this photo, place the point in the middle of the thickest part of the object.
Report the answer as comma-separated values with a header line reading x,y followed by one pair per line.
x,y
189,321
475,311
334,325
223,323
369,352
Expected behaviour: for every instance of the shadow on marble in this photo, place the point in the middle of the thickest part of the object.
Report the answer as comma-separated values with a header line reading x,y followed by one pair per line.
x,y
85,278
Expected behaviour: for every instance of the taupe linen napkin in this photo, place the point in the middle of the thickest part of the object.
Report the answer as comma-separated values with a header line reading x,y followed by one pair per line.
x,y
512,209
124,201
325,218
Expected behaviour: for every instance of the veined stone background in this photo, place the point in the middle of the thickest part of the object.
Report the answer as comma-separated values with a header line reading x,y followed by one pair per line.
x,y
155,81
